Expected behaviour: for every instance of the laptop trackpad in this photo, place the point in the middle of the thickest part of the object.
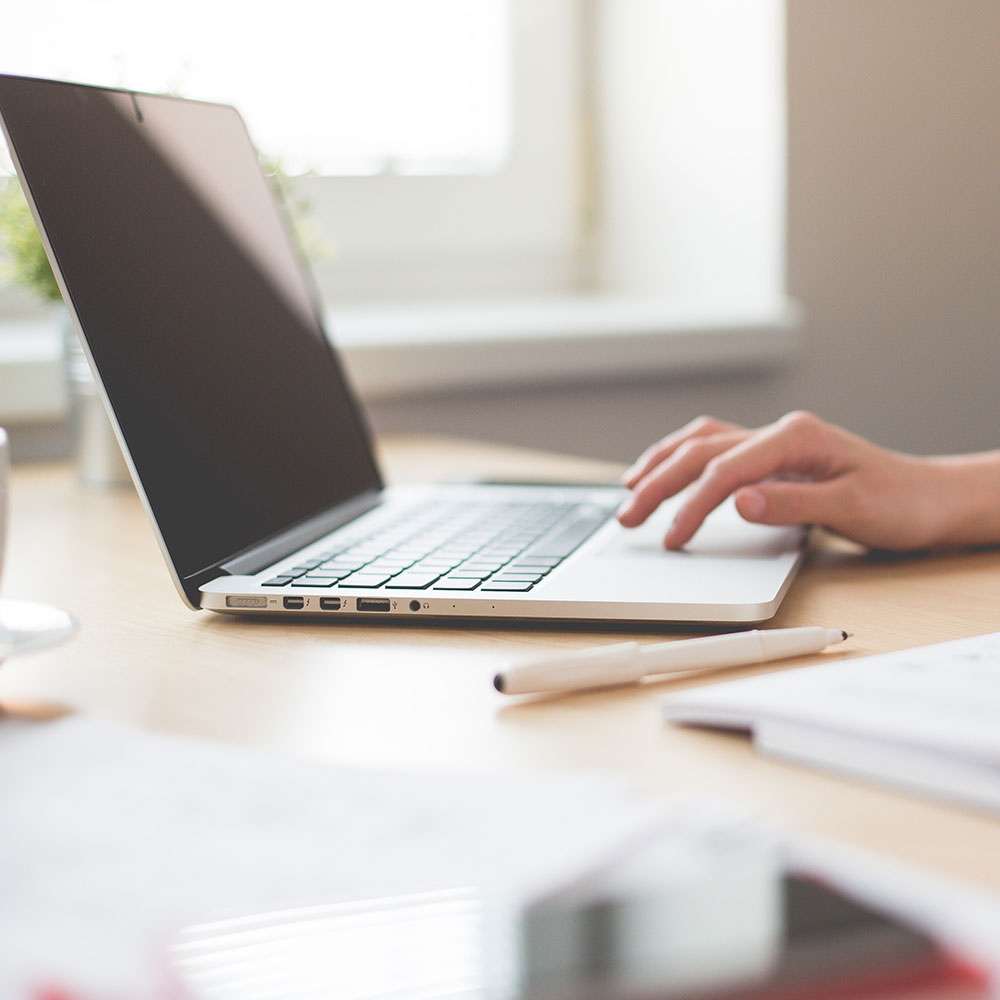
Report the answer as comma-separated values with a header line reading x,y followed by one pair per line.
x,y
723,535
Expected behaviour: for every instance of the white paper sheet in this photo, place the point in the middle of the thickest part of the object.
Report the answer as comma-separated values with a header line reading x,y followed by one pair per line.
x,y
942,699
112,840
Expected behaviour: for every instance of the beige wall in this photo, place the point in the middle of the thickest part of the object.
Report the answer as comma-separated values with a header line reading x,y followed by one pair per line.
x,y
894,250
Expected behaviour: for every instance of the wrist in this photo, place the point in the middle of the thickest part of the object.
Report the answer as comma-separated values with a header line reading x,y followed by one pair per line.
x,y
966,500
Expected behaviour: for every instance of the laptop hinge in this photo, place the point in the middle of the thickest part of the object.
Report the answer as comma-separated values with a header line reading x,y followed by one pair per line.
x,y
254,559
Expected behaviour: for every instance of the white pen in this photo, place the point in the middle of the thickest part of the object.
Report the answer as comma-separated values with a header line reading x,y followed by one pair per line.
x,y
629,662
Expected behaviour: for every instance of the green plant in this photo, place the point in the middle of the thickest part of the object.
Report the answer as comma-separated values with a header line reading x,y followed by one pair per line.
x,y
27,264
311,240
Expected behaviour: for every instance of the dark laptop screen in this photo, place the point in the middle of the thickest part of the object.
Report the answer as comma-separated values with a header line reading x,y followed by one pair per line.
x,y
197,310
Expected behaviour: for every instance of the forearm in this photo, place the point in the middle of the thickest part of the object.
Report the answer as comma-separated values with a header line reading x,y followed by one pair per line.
x,y
967,499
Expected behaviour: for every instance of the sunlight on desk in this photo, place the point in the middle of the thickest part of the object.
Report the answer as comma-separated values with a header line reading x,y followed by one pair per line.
x,y
421,696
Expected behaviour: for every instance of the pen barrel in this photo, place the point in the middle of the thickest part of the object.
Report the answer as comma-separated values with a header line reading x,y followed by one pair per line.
x,y
592,668
715,652
780,643
628,662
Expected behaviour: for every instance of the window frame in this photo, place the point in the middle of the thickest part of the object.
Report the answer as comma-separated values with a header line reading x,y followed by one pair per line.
x,y
572,299
517,229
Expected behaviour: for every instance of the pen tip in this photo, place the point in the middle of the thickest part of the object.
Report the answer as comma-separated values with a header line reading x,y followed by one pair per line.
x,y
846,635
498,682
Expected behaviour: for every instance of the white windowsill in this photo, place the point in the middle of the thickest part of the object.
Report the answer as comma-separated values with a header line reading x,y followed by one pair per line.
x,y
406,350
32,383
558,339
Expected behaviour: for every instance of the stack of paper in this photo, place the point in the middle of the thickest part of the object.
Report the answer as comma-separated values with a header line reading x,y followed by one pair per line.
x,y
927,719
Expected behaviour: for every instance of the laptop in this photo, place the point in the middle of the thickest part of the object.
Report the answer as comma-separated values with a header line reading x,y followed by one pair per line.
x,y
244,438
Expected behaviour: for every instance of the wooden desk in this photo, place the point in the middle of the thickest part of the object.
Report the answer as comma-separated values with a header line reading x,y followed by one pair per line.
x,y
421,697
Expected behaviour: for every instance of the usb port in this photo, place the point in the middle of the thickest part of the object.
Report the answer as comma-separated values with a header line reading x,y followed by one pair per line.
x,y
373,604
293,603
329,603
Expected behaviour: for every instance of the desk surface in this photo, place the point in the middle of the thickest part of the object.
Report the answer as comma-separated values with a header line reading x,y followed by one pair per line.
x,y
421,696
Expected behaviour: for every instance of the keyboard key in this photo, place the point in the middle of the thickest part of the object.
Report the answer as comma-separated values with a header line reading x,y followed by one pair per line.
x,y
412,581
516,578
306,566
278,581
474,566
342,568
438,568
315,581
457,583
527,568
390,566
365,580
511,586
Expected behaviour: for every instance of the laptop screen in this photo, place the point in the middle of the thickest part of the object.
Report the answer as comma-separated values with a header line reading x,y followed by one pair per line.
x,y
198,312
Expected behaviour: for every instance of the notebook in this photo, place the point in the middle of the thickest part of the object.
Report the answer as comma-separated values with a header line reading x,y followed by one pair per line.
x,y
923,719
245,440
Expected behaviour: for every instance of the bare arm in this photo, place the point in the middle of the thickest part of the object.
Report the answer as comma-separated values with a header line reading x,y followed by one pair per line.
x,y
802,470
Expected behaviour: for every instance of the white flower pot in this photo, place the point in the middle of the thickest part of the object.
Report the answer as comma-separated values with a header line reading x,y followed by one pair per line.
x,y
98,458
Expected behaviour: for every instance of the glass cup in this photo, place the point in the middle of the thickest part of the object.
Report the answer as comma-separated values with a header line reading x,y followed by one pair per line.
x,y
24,625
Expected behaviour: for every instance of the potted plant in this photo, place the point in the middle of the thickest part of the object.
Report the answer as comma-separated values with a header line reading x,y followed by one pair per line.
x,y
28,264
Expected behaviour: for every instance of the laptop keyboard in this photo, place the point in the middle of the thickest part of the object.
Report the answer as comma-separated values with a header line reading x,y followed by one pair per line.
x,y
506,546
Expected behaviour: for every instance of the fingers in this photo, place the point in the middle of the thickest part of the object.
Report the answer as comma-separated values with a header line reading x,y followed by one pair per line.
x,y
662,450
797,444
683,466
782,503
798,470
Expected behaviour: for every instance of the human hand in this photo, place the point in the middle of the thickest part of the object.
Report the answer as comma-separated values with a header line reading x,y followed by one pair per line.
x,y
802,470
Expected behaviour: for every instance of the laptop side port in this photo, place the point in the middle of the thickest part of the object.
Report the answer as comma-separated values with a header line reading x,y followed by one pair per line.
x,y
293,603
238,601
373,604
329,603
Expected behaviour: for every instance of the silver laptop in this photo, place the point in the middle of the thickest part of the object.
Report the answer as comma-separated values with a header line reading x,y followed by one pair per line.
x,y
244,439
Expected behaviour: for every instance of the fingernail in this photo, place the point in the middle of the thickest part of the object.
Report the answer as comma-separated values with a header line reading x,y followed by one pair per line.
x,y
753,504
670,538
628,474
625,507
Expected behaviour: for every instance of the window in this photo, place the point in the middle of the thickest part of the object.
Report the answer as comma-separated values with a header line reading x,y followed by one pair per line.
x,y
621,159
339,87
440,134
